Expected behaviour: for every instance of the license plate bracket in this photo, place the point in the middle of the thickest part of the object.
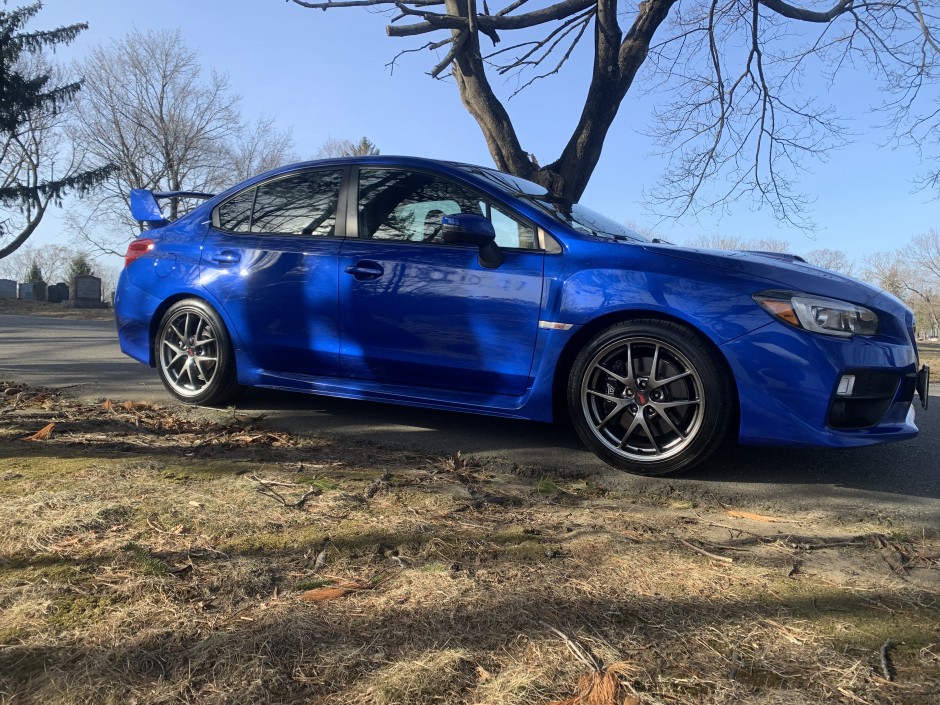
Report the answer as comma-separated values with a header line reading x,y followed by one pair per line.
x,y
923,385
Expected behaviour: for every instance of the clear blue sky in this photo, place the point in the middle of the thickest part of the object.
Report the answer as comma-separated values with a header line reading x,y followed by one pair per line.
x,y
323,74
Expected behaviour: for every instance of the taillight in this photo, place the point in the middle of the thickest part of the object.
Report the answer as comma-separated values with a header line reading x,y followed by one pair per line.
x,y
138,248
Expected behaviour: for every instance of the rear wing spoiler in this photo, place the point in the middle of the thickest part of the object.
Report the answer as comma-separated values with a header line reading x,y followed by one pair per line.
x,y
145,209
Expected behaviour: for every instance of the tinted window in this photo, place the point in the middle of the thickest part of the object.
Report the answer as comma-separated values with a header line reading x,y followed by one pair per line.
x,y
408,205
235,213
302,204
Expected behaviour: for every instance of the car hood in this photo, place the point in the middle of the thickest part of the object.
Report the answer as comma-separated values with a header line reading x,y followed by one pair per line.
x,y
787,271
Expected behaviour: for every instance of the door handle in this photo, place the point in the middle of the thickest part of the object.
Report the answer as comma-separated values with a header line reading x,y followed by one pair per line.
x,y
365,269
226,258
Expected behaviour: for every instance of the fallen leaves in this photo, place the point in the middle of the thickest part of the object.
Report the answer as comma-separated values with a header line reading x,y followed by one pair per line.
x,y
333,592
42,434
140,424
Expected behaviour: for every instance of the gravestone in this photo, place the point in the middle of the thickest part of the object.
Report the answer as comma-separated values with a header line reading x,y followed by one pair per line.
x,y
63,290
86,292
7,289
24,291
39,291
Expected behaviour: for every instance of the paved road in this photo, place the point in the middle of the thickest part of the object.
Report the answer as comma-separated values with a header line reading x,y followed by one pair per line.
x,y
897,480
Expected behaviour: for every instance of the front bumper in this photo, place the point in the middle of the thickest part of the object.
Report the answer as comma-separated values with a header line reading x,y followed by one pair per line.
x,y
788,382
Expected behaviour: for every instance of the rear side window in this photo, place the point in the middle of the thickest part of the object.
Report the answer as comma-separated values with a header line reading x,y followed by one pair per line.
x,y
301,204
235,213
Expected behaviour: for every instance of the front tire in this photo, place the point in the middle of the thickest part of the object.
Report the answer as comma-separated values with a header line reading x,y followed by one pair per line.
x,y
194,354
650,397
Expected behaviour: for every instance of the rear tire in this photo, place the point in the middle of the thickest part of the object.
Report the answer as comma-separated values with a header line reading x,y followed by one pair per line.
x,y
650,397
194,354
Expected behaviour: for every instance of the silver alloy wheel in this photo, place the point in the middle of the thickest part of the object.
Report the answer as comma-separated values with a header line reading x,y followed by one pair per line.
x,y
189,353
643,399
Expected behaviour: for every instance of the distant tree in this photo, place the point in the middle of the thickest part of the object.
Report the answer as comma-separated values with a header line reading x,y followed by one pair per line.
x,y
80,266
333,148
888,271
834,260
735,109
923,255
34,275
150,109
729,242
36,167
109,278
254,149
923,251
53,261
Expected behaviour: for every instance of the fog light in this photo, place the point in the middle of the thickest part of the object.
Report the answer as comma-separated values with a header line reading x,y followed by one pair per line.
x,y
846,385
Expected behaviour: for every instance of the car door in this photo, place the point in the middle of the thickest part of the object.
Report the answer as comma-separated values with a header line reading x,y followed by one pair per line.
x,y
270,260
416,311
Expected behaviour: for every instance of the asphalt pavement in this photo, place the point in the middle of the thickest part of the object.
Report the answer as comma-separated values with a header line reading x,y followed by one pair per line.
x,y
880,484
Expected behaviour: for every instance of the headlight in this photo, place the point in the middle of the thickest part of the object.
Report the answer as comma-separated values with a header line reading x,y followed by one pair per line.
x,y
813,313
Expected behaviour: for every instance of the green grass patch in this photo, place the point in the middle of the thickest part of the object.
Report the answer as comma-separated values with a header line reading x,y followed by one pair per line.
x,y
321,483
78,611
145,561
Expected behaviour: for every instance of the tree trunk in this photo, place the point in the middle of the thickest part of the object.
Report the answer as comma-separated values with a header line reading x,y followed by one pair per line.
x,y
616,62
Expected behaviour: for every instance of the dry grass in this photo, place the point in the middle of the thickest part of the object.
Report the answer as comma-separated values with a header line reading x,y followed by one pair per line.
x,y
930,355
139,562
44,308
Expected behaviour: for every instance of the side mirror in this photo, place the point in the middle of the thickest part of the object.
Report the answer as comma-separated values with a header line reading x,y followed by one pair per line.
x,y
473,229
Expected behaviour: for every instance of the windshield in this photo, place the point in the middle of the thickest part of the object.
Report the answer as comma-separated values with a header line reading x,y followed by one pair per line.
x,y
574,215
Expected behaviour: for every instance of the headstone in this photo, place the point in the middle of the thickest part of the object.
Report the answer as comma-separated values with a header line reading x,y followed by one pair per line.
x,y
24,291
63,290
39,291
7,289
86,288
86,292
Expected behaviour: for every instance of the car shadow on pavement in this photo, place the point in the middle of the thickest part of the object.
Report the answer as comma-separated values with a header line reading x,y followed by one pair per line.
x,y
905,468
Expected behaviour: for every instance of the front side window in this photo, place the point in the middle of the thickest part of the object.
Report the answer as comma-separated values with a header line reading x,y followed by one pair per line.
x,y
408,206
300,204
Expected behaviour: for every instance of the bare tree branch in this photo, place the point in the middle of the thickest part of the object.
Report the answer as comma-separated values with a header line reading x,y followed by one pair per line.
x,y
737,121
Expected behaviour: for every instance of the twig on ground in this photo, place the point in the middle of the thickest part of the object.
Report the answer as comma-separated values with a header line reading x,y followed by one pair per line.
x,y
714,556
582,653
266,488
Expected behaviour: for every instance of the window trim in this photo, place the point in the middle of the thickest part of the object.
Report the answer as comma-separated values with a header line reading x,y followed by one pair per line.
x,y
352,213
339,229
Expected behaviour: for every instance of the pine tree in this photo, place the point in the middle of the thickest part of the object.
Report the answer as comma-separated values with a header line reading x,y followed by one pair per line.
x,y
80,266
363,148
24,94
35,274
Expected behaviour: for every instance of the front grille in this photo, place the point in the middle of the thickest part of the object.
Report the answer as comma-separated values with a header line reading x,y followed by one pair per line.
x,y
870,399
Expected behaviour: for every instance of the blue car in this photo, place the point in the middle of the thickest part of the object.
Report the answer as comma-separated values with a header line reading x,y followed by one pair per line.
x,y
458,287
